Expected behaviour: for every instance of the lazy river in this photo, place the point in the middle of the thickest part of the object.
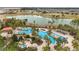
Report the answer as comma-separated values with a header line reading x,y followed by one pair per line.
x,y
42,34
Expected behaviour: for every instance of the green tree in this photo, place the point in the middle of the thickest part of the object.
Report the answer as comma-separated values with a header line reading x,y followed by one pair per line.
x,y
34,30
75,44
76,23
46,48
50,27
62,13
58,47
47,39
1,42
25,21
66,49
31,49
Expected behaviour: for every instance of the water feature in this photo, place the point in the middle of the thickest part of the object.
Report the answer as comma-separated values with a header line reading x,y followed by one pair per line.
x,y
52,40
41,20
62,21
26,31
43,34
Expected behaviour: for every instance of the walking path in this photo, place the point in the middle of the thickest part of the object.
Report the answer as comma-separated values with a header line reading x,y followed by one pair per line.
x,y
70,39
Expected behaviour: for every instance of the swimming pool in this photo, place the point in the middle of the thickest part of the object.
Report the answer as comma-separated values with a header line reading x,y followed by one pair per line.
x,y
60,37
26,31
42,34
52,40
23,46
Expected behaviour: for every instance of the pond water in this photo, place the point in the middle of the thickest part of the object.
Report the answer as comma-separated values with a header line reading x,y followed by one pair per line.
x,y
41,20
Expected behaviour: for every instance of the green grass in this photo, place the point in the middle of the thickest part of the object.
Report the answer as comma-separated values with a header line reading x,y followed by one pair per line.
x,y
1,42
11,47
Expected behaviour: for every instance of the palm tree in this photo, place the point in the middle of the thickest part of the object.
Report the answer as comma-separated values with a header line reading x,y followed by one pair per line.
x,y
62,14
33,28
75,22
34,23
50,25
47,40
31,49
53,16
76,34
75,44
46,48
44,12
66,49
26,20
58,47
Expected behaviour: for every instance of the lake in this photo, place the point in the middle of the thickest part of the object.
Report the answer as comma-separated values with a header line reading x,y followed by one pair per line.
x,y
41,20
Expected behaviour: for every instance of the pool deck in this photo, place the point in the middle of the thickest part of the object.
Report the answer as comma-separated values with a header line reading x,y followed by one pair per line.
x,y
69,39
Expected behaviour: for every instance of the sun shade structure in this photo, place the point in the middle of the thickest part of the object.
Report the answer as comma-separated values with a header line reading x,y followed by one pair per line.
x,y
7,29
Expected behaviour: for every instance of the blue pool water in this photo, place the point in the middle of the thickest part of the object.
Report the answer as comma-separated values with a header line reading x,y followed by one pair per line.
x,y
54,34
25,31
23,46
52,40
42,34
60,37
